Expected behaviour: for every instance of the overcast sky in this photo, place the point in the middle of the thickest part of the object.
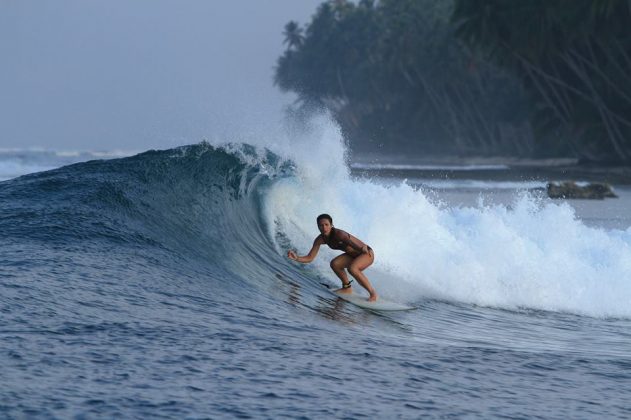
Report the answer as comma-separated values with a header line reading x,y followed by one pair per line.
x,y
139,74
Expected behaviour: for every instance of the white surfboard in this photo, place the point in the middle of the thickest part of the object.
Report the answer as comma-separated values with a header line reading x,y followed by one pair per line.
x,y
380,305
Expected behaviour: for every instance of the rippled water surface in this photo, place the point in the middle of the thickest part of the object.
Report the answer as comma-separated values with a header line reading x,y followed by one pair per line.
x,y
155,286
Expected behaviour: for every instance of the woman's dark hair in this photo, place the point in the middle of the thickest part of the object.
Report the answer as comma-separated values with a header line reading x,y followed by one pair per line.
x,y
324,216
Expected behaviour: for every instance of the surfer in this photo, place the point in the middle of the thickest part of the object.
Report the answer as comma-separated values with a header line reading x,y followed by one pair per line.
x,y
356,258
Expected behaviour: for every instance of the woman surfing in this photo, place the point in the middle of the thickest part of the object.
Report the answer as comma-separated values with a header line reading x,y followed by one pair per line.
x,y
356,258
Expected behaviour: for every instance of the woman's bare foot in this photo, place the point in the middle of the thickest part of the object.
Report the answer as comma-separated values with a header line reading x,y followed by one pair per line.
x,y
373,297
347,290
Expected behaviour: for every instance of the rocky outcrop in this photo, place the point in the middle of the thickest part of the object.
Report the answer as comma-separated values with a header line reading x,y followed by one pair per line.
x,y
571,190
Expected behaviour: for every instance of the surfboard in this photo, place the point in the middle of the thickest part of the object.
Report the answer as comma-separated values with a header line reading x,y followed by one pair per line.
x,y
380,305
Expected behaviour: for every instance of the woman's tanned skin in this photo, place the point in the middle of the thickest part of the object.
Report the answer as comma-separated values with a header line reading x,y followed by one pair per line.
x,y
356,258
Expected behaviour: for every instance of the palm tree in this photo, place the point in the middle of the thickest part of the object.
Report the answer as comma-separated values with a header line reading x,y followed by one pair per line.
x,y
293,35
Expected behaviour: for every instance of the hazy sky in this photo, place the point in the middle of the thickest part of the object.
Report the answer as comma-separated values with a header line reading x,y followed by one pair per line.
x,y
138,74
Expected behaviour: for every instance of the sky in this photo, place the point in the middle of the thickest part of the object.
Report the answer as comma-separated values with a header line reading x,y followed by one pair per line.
x,y
138,74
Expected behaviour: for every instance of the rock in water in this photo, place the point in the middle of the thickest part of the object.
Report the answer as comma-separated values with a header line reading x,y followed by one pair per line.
x,y
569,189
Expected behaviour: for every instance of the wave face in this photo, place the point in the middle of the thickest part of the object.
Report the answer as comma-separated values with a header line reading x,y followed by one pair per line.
x,y
191,203
235,210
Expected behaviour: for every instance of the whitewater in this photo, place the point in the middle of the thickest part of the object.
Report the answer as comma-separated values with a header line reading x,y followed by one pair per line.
x,y
156,285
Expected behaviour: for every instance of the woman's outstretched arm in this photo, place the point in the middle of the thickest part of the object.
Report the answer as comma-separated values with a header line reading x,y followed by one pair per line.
x,y
310,256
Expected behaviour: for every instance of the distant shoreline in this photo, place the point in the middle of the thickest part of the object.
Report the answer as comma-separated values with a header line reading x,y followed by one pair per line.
x,y
486,168
364,159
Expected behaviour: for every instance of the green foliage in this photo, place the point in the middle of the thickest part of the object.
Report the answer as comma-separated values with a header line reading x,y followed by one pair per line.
x,y
574,59
395,76
486,76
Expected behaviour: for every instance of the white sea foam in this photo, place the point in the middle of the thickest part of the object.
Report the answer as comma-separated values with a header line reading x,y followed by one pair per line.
x,y
533,254
426,167
463,184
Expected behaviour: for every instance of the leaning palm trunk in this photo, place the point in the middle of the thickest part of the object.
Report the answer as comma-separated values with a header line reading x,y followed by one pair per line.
x,y
486,139
560,105
595,67
556,85
614,134
439,103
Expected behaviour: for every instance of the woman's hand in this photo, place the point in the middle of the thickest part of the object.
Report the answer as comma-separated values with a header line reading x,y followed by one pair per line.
x,y
365,249
292,255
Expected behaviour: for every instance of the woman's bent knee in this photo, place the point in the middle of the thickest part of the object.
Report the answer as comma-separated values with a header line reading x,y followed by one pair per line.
x,y
355,271
337,266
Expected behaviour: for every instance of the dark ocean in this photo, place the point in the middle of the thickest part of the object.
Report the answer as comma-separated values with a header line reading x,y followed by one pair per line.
x,y
156,286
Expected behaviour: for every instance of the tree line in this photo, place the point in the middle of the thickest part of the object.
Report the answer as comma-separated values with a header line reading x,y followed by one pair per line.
x,y
535,78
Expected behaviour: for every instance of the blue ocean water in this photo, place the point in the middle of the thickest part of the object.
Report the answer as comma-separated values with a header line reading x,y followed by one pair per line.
x,y
155,286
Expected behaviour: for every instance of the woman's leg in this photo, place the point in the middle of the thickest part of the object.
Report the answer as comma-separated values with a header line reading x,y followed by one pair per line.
x,y
356,268
338,265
